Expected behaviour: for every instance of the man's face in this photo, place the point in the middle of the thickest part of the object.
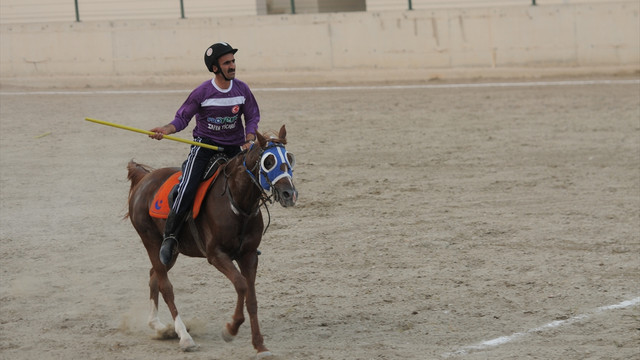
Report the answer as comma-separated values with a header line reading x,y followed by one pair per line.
x,y
228,66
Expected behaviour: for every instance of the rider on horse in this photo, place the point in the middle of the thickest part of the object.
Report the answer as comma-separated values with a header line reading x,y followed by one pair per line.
x,y
219,106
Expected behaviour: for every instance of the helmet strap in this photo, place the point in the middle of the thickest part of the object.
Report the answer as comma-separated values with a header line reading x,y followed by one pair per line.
x,y
219,71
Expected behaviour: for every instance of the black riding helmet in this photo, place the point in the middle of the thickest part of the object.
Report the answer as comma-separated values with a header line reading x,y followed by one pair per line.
x,y
214,52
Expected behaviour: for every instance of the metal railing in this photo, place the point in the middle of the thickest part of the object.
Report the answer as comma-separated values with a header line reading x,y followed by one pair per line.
x,y
23,11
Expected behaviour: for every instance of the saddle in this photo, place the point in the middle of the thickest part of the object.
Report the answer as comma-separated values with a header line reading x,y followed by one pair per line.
x,y
163,199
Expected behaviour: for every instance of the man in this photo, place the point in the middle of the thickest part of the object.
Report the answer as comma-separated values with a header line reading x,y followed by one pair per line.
x,y
218,106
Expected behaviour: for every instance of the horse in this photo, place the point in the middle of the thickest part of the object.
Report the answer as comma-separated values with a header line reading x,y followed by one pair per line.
x,y
229,228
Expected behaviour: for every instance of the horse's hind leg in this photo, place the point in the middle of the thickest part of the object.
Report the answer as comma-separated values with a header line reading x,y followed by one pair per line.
x,y
151,235
163,331
166,289
159,283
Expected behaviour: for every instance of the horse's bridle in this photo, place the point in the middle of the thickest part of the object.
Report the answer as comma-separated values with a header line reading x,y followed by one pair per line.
x,y
262,199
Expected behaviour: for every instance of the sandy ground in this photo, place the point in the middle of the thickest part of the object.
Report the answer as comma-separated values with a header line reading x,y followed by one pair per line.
x,y
431,223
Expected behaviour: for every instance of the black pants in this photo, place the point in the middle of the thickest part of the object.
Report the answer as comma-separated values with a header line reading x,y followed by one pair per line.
x,y
192,173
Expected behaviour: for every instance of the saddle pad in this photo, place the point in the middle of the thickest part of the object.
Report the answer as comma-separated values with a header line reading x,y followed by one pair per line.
x,y
160,206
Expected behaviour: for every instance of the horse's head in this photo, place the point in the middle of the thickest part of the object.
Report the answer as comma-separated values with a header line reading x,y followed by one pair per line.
x,y
275,172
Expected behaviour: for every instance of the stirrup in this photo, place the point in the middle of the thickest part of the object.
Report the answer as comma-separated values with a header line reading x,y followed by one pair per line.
x,y
167,249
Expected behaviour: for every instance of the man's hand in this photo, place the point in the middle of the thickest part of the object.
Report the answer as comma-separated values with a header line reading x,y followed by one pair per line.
x,y
160,132
251,138
247,145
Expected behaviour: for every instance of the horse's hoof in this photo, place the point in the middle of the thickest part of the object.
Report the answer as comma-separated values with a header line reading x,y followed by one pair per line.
x,y
226,335
188,345
264,355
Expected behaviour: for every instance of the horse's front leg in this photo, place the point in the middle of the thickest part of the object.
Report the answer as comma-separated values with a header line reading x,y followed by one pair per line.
x,y
231,329
249,266
224,264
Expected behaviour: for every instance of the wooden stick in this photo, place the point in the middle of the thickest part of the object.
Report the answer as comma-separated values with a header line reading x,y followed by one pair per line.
x,y
168,137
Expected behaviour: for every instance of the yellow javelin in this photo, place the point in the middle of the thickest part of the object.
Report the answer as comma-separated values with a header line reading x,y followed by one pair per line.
x,y
168,137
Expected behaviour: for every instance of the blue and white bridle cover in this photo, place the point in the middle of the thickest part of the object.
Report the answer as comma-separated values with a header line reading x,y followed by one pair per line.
x,y
269,176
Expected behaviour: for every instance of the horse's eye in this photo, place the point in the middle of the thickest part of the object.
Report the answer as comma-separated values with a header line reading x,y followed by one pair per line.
x,y
292,159
268,162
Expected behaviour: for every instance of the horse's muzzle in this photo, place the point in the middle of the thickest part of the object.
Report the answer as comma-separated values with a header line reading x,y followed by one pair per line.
x,y
285,195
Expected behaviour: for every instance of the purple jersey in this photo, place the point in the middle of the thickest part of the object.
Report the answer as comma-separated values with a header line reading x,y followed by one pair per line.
x,y
219,112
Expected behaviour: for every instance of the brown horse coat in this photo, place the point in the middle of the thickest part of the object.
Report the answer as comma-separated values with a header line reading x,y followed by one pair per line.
x,y
229,229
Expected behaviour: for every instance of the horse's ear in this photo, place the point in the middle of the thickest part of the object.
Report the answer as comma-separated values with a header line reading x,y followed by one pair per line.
x,y
261,139
283,133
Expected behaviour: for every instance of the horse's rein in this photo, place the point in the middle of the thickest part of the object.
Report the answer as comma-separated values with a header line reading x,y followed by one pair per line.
x,y
262,200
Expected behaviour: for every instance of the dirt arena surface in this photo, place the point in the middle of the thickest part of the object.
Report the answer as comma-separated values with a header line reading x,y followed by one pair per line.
x,y
494,222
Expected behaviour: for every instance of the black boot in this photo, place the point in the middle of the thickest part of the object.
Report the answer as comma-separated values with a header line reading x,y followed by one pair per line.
x,y
169,241
166,250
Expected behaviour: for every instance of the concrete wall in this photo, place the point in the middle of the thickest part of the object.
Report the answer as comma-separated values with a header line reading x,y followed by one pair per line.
x,y
362,46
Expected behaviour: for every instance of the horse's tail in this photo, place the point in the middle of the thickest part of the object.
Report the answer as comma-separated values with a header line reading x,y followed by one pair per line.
x,y
135,173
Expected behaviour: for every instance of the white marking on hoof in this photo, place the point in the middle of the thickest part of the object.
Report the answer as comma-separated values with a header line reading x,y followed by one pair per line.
x,y
154,320
226,335
264,355
186,342
163,331
157,325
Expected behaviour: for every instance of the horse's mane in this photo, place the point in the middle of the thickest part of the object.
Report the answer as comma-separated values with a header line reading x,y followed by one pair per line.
x,y
273,137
